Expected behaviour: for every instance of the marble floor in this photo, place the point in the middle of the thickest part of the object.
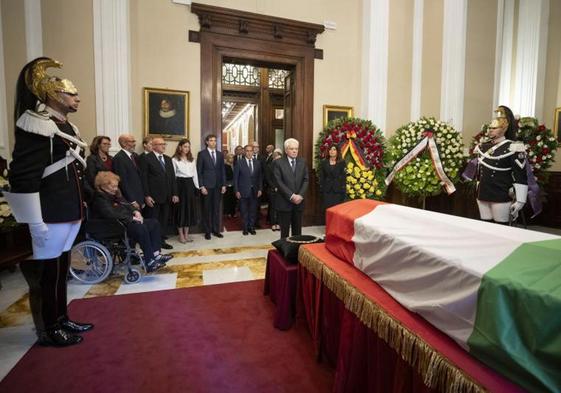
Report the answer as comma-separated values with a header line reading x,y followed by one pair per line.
x,y
202,262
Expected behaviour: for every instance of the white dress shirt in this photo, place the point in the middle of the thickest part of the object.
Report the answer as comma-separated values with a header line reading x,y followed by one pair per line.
x,y
184,168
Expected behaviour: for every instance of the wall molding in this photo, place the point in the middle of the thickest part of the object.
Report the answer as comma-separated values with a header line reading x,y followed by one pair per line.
x,y
453,62
5,150
33,29
112,68
375,63
417,59
531,47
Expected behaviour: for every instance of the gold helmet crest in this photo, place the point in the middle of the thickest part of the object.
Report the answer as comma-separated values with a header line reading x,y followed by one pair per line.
x,y
43,85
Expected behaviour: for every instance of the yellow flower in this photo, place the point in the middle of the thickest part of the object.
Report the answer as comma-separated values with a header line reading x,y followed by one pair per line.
x,y
378,192
357,187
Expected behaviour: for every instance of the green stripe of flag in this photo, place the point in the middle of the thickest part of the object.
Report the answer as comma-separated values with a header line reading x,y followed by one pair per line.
x,y
518,322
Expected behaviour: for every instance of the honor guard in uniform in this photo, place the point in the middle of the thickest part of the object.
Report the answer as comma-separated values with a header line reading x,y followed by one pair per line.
x,y
46,177
502,176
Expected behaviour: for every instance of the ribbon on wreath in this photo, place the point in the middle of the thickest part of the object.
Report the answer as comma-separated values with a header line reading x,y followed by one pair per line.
x,y
427,142
349,146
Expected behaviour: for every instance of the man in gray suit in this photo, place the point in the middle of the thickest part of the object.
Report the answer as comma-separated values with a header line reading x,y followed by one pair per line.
x,y
291,176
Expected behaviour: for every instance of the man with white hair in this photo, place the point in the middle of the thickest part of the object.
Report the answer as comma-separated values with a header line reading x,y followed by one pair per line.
x,y
291,177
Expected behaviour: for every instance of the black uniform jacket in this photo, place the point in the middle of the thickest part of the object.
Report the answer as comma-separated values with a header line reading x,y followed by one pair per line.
x,y
61,193
494,184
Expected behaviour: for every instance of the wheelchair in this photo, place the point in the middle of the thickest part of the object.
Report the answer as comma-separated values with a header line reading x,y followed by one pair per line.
x,y
106,249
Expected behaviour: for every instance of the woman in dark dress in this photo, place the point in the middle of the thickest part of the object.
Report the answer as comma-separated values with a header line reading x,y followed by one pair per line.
x,y
187,186
332,178
229,197
99,158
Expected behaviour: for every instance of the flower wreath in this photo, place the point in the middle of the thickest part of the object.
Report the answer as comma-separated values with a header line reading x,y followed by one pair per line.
x,y
362,147
426,156
539,140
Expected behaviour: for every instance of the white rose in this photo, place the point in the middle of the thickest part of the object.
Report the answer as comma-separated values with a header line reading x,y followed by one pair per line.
x,y
538,137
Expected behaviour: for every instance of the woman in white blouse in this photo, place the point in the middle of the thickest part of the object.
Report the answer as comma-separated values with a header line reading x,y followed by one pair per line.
x,y
187,186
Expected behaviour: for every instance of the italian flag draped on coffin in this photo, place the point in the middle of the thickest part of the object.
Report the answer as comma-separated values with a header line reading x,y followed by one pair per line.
x,y
496,290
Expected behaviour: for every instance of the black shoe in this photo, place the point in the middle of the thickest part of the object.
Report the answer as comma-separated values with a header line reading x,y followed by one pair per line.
x,y
163,259
153,265
245,233
167,246
57,337
207,236
252,231
74,327
217,234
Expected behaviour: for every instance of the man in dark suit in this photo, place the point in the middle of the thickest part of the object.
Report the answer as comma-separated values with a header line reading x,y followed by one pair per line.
x,y
146,147
126,166
238,153
248,182
291,176
212,184
160,187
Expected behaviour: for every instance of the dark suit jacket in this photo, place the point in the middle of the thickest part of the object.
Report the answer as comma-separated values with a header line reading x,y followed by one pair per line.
x,y
158,183
244,180
210,175
289,182
332,178
131,183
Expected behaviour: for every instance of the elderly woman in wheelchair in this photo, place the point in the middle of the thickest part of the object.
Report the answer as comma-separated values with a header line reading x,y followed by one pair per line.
x,y
109,203
112,222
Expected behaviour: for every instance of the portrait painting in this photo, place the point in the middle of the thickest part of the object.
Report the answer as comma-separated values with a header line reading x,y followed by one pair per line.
x,y
166,113
332,112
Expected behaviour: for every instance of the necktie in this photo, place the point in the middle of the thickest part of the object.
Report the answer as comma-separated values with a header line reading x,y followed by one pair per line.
x,y
293,164
162,162
133,158
250,166
213,157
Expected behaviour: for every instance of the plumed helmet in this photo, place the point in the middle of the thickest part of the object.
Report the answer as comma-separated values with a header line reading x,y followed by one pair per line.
x,y
43,85
504,118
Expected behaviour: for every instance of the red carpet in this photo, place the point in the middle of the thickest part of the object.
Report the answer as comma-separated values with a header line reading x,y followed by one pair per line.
x,y
216,338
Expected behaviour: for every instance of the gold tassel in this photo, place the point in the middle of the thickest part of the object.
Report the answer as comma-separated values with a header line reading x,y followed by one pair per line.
x,y
437,371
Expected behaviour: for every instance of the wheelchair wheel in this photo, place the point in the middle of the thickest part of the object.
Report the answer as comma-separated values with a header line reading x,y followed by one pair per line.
x,y
91,262
133,275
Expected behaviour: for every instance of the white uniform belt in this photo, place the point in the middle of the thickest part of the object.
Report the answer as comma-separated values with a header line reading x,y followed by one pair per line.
x,y
71,156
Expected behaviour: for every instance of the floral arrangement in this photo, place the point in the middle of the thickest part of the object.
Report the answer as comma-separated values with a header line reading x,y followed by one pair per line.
x,y
426,156
6,218
539,140
362,147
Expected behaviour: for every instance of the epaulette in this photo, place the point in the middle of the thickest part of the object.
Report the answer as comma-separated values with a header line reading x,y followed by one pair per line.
x,y
37,123
517,147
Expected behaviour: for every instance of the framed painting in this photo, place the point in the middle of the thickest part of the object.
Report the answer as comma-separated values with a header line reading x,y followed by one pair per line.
x,y
332,112
166,113
557,124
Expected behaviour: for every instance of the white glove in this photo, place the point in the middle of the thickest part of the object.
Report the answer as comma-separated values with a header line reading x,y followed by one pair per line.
x,y
515,208
39,233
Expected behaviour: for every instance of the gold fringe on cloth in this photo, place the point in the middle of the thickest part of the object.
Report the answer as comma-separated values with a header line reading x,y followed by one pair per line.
x,y
437,371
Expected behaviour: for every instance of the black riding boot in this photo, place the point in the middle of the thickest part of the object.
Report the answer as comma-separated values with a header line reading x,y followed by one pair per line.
x,y
62,311
41,276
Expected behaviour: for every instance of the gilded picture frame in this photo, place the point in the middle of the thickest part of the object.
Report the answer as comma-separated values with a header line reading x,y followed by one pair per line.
x,y
332,112
166,113
557,124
